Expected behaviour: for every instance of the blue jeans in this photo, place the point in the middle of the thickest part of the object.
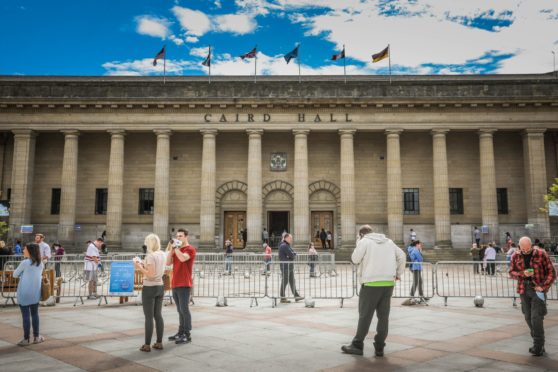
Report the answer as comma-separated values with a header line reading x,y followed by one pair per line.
x,y
181,296
228,264
25,312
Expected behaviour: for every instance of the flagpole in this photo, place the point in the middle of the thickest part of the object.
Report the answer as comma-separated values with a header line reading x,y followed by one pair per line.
x,y
165,65
255,65
298,60
209,77
389,55
345,63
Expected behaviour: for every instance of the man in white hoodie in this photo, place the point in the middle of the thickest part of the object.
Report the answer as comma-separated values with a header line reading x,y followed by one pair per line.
x,y
380,263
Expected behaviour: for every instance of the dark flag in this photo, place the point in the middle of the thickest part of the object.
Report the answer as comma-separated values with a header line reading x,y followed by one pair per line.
x,y
159,55
292,54
250,54
382,55
341,55
207,61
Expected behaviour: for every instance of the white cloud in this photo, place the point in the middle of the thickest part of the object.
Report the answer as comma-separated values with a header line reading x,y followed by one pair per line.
x,y
195,23
153,26
176,40
192,39
431,31
145,66
235,23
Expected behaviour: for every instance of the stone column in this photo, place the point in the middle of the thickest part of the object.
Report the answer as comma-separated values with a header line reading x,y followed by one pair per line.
x,y
161,202
535,181
115,190
441,189
489,200
394,191
301,202
207,207
22,179
68,188
254,204
347,173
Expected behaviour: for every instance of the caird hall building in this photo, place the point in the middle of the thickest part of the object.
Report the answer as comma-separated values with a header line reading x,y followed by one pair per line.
x,y
131,155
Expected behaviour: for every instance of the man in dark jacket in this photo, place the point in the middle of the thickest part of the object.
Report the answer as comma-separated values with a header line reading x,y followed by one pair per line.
x,y
287,254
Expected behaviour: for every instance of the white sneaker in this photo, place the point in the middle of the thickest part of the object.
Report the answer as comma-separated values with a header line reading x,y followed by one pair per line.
x,y
38,339
24,342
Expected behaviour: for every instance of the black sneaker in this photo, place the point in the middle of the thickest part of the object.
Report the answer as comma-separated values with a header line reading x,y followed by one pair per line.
x,y
379,352
183,339
175,337
351,349
537,351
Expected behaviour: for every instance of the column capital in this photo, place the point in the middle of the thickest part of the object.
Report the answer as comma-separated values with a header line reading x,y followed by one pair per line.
x,y
393,131
254,132
70,132
301,132
24,133
347,132
533,132
439,132
162,132
209,132
117,132
487,132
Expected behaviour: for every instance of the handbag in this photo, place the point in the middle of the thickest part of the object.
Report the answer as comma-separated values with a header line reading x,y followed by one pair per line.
x,y
45,289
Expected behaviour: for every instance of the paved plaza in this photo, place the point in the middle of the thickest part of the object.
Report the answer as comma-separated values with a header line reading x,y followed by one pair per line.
x,y
290,337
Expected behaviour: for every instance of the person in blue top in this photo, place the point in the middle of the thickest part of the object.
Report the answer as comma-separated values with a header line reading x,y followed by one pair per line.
x,y
30,273
415,253
17,250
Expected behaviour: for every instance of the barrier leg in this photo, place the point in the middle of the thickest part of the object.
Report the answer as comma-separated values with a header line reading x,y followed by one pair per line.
x,y
341,303
78,298
254,299
445,301
514,304
274,302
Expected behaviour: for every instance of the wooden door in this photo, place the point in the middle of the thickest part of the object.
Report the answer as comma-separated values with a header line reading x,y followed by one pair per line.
x,y
319,221
235,222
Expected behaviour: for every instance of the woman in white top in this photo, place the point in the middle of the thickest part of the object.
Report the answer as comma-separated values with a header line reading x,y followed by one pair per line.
x,y
152,268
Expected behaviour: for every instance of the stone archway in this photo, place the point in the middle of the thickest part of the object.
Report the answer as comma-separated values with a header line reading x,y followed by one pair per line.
x,y
232,194
324,196
278,198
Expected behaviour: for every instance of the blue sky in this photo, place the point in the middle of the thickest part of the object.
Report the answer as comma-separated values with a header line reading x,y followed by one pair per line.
x,y
117,37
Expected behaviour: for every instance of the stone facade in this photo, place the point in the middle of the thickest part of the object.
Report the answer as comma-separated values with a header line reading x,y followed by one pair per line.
x,y
349,149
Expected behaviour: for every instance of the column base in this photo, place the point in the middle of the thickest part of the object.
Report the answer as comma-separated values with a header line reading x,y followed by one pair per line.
x,y
207,247
115,246
344,252
443,244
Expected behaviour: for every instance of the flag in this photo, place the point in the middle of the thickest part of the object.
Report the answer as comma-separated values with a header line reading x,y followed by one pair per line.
x,y
159,55
335,57
250,54
207,61
382,55
292,54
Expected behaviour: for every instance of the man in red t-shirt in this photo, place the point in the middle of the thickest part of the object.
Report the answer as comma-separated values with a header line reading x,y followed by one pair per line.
x,y
182,257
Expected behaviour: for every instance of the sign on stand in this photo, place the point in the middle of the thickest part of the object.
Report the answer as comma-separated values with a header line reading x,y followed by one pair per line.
x,y
121,279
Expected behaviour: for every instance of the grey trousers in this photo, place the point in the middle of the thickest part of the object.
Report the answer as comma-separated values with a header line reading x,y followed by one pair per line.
x,y
534,310
181,296
373,299
417,283
152,301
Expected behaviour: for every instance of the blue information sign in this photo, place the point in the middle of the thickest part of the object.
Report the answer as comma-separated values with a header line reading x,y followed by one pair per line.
x,y
121,279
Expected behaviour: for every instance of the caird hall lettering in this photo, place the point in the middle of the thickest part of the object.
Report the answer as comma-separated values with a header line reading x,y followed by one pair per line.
x,y
251,118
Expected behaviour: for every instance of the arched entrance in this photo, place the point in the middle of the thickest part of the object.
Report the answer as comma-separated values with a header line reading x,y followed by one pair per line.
x,y
325,202
230,203
278,209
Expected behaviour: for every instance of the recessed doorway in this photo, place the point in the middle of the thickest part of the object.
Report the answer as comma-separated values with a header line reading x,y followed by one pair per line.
x,y
322,220
277,223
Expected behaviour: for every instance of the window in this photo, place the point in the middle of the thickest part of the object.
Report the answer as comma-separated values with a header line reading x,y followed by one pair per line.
x,y
146,198
55,201
456,201
502,196
411,201
101,197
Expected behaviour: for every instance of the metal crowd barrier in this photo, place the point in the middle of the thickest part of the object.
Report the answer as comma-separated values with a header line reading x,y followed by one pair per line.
x,y
250,277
